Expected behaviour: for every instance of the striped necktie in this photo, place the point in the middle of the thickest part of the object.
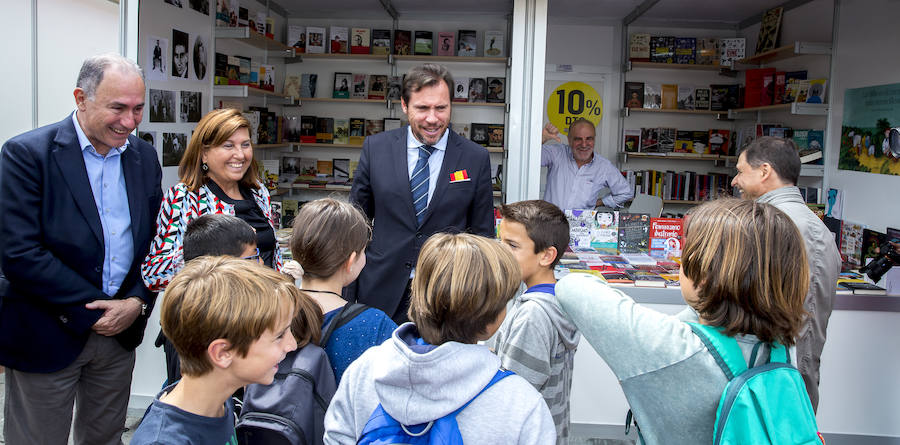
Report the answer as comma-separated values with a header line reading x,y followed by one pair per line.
x,y
418,183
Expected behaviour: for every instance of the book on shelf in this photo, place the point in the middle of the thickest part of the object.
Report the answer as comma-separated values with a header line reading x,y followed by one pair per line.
x,y
700,142
277,211
634,94
374,126
706,51
342,83
863,288
296,37
360,40
791,84
701,99
477,88
460,89
221,69
267,77
769,29
339,40
810,195
646,279
461,129
724,97
258,22
391,123
254,74
357,130
402,42
480,134
684,141
315,40
341,131
685,97
639,47
377,86
871,241
666,140
253,118
291,86
652,95
291,129
851,243
649,140
446,43
423,43
308,85
308,129
632,140
665,237
494,45
816,91
467,43
617,276
754,86
496,90
731,49
381,41
745,136
686,50
395,86
324,167
270,27
341,170
324,130
268,172
662,49
778,89
352,171
495,135
719,142
223,13
767,96
243,70
289,208
243,17
360,86
634,233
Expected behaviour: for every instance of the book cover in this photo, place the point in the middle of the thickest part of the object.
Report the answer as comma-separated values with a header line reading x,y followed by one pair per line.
x,y
701,99
395,86
221,69
308,129
291,129
402,42
634,94
791,79
649,140
477,89
480,134
254,119
460,89
718,141
324,130
768,30
685,97
604,232
581,222
270,27
778,93
296,37
244,70
707,53
223,16
243,18
342,83
495,135
647,279
360,86
666,140
686,50
324,167
357,131
632,140
634,233
277,211
353,166
496,90
254,73
662,49
700,142
753,91
731,50
816,92
267,77
360,41
339,40
461,129
341,131
721,99
768,89
863,288
494,45
341,170
289,208
381,41
639,47
259,22
652,95
391,123
377,86
816,139
684,142
801,90
665,237
315,40
291,86
801,139
423,43
851,243
308,84
374,126
467,43
446,43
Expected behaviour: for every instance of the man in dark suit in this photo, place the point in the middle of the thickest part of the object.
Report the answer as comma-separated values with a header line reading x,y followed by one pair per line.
x,y
80,198
416,181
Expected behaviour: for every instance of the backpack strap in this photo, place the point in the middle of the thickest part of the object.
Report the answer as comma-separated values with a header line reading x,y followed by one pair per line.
x,y
347,313
778,353
723,348
499,375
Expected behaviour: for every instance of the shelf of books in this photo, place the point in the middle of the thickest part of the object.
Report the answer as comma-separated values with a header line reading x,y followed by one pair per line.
x,y
450,59
251,37
787,52
247,91
798,108
633,65
343,100
628,111
339,56
679,156
268,146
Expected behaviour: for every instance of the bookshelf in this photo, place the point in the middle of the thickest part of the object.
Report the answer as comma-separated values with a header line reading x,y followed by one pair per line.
x,y
254,39
785,52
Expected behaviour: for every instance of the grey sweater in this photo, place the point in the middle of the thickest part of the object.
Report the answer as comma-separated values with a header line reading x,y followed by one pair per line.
x,y
416,384
670,379
538,341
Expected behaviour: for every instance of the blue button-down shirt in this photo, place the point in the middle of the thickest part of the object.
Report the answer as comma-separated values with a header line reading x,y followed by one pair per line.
x,y
435,161
111,198
571,187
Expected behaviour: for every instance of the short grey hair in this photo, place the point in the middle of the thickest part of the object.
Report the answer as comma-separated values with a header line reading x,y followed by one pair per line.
x,y
92,70
426,75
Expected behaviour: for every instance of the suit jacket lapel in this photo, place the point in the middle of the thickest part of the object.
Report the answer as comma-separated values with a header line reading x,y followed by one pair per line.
x,y
451,157
134,187
401,172
70,162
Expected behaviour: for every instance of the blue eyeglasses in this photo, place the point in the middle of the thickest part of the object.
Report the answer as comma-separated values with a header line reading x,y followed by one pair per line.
x,y
254,257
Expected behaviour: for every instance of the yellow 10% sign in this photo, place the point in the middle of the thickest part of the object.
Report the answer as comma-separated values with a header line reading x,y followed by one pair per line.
x,y
573,100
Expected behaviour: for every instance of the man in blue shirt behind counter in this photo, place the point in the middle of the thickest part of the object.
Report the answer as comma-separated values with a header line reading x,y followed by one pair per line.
x,y
575,176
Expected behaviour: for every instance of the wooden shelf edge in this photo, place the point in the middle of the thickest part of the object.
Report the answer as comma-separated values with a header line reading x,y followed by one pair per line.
x,y
252,37
663,110
676,66
423,58
795,49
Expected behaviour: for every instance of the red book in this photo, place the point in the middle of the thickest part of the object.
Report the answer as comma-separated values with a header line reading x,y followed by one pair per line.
x,y
768,89
778,97
753,92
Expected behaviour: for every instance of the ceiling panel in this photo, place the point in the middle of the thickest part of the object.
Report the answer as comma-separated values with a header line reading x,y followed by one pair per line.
x,y
709,11
374,9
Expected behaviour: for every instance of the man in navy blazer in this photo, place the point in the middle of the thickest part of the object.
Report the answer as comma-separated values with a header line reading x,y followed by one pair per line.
x,y
416,181
80,198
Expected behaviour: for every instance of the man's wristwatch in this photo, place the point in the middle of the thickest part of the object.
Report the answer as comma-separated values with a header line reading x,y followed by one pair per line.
x,y
143,306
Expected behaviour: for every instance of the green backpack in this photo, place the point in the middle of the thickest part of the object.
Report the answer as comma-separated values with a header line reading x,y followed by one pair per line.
x,y
766,404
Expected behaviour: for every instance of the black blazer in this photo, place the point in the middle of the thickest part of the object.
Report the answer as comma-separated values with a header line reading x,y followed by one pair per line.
x,y
381,189
51,245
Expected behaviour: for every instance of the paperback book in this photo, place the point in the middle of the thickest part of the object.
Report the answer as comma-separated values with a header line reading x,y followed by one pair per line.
x,y
377,86
402,42
360,86
494,45
446,44
315,40
381,41
423,44
360,41
496,89
468,43
308,85
339,40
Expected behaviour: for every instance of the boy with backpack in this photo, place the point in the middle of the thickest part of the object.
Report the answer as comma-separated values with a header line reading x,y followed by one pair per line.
x,y
431,378
229,319
537,340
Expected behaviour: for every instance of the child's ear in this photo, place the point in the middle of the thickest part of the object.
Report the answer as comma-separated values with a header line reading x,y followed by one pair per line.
x,y
348,265
548,255
220,353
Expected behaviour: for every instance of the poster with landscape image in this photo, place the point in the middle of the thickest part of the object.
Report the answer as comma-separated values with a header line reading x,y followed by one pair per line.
x,y
869,115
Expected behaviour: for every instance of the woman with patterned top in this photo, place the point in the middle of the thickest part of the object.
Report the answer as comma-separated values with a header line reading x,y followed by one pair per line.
x,y
217,175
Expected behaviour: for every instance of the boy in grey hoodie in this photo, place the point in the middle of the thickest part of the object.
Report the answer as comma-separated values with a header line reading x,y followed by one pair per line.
x,y
431,367
537,339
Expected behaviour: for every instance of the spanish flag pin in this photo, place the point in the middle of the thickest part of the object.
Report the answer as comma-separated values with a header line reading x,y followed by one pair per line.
x,y
459,176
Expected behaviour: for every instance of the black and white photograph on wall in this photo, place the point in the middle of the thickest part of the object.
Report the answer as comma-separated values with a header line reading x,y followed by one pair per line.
x,y
173,148
162,106
180,54
201,6
200,57
148,137
174,3
190,106
155,65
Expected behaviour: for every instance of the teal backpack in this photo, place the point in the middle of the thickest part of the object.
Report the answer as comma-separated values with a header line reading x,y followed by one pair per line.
x,y
766,404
